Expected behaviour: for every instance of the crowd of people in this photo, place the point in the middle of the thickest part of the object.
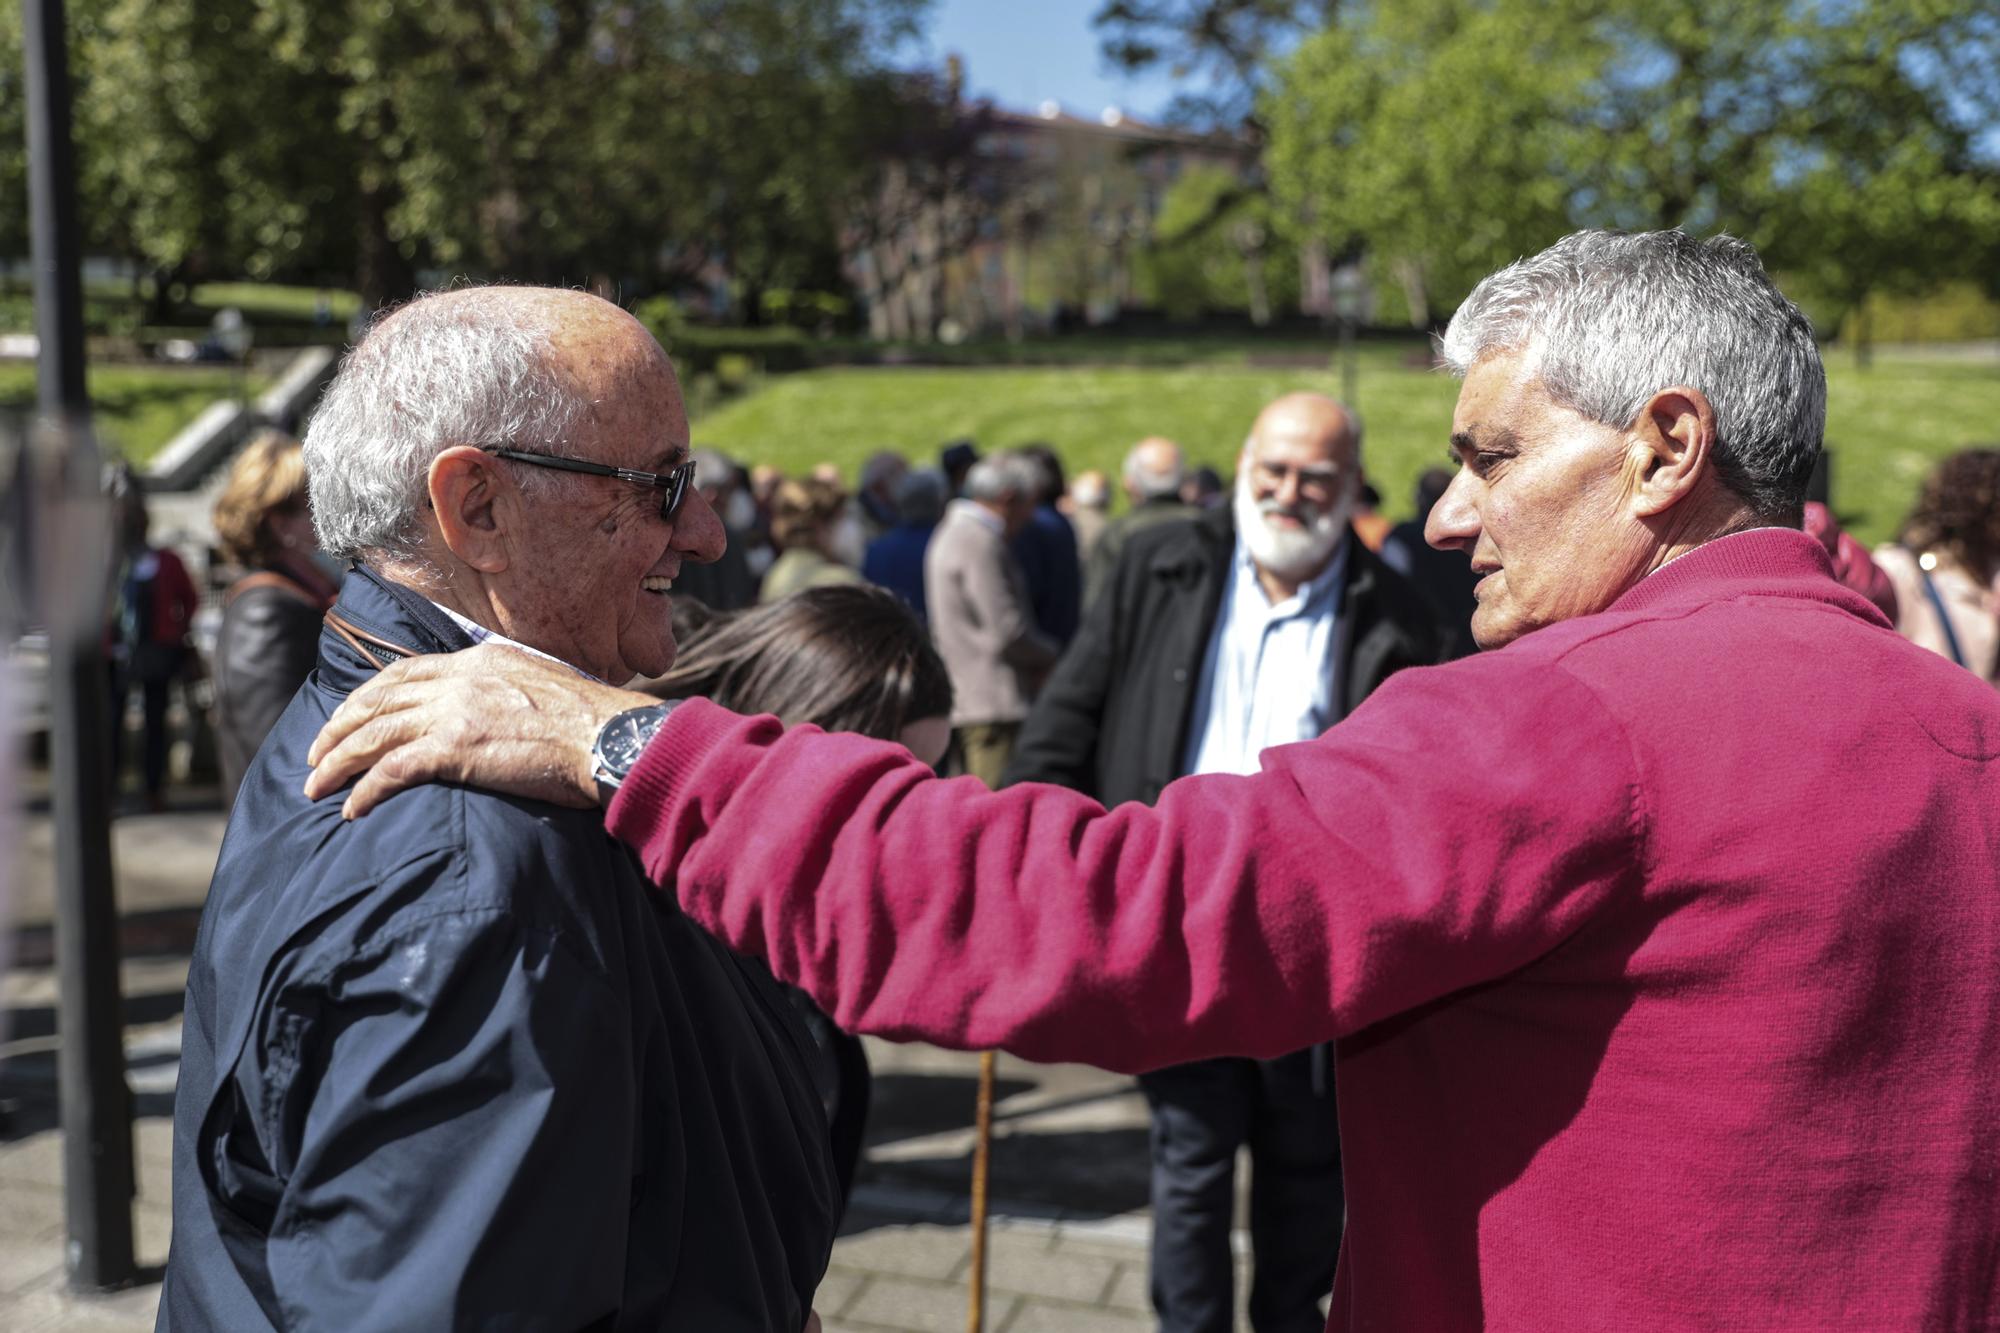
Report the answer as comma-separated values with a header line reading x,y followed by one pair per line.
x,y
1532,941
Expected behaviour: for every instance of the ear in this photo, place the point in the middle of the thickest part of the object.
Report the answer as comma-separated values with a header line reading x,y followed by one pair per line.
x,y
1672,446
471,497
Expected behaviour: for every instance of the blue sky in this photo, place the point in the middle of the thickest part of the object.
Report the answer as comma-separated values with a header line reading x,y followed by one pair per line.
x,y
1020,52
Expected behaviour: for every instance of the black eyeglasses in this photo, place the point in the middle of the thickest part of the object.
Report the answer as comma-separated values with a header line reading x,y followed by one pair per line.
x,y
674,482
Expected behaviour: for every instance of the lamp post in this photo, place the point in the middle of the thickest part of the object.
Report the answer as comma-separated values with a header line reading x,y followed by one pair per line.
x,y
73,564
1349,287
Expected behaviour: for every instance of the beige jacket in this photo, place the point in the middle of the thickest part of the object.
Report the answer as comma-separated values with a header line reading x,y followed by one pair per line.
x,y
1975,617
980,618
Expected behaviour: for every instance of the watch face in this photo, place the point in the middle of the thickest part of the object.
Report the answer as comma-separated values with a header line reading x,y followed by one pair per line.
x,y
626,742
624,739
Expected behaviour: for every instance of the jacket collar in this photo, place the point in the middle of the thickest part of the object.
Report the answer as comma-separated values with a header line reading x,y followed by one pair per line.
x,y
1778,562
375,622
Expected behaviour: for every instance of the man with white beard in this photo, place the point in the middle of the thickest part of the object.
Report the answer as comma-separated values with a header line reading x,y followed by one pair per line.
x,y
1255,625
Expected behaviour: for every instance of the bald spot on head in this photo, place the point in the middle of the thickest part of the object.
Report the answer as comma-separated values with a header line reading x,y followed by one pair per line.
x,y
1311,421
613,365
1157,454
1153,469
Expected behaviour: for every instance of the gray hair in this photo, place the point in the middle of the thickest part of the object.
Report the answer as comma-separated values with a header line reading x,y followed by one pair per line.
x,y
1612,318
471,370
920,496
1151,483
1000,475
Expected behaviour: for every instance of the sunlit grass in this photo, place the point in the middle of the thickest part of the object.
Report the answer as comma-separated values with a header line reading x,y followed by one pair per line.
x,y
1887,425
137,409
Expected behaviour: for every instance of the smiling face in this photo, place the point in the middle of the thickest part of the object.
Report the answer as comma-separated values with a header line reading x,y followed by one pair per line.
x,y
1542,502
1295,484
591,559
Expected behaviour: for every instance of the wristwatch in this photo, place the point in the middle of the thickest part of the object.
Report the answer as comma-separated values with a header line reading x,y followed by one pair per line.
x,y
620,744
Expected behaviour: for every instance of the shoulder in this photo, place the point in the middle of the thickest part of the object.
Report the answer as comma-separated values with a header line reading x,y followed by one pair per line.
x,y
1173,536
449,864
828,573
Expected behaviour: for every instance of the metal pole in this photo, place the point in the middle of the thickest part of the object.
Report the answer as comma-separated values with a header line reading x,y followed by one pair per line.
x,y
96,1102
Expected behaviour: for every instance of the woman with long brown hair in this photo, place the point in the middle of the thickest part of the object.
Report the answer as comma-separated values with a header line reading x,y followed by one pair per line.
x,y
1946,567
841,658
271,615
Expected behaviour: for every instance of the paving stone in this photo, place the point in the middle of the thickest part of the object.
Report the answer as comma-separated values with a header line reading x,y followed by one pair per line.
x,y
1130,1290
30,1213
836,1292
923,1307
31,1311
152,1231
1043,1273
35,1160
153,1155
1037,1316
938,1253
24,1265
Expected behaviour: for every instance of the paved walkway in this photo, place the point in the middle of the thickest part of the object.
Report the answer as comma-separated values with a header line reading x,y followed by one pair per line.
x,y
1067,1249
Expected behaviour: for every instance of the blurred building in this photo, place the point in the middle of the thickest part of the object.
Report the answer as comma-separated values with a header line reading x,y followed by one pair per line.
x,y
1022,222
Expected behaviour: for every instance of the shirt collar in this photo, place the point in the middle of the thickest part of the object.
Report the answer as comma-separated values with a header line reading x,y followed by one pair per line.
x,y
478,633
975,510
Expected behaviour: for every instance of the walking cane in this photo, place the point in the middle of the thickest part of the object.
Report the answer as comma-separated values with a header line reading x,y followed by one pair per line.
x,y
982,1150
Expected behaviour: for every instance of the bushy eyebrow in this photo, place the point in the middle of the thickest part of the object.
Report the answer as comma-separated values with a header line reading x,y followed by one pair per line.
x,y
1468,442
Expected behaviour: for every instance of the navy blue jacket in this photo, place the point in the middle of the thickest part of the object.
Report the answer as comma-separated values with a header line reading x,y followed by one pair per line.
x,y
895,561
1052,568
457,1064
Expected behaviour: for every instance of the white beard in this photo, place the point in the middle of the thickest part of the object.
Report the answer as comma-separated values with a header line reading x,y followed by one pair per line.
x,y
1290,553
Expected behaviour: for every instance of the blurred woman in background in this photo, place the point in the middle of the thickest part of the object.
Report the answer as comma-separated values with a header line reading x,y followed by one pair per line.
x,y
271,615
1946,568
846,658
807,519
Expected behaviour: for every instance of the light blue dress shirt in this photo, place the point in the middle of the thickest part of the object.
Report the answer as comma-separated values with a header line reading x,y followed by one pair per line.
x,y
1271,673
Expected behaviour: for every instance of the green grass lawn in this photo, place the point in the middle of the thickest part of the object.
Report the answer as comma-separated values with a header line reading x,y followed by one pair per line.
x,y
137,409
1886,425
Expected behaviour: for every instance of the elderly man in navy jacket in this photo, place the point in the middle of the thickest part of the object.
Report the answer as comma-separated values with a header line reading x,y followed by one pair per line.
x,y
461,1066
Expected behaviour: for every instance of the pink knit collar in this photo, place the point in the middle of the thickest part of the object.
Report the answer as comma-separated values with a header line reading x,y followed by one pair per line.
x,y
1781,561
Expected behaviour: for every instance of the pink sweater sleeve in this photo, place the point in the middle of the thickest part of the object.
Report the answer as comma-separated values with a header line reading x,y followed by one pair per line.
x,y
1457,827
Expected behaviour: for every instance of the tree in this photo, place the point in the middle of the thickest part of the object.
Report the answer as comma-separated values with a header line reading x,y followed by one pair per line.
x,y
599,141
1226,46
186,161
918,204
1434,135
1215,247
1449,136
13,136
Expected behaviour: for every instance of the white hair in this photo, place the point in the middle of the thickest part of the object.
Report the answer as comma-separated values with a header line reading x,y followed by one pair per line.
x,y
1149,483
1612,318
474,369
999,475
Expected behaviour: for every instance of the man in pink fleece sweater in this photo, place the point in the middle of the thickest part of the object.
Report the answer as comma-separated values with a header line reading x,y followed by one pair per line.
x,y
1643,1022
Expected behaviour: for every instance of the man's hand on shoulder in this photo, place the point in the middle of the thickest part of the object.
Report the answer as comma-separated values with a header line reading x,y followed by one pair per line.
x,y
487,717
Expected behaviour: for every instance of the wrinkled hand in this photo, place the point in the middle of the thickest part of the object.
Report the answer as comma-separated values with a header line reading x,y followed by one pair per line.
x,y
488,717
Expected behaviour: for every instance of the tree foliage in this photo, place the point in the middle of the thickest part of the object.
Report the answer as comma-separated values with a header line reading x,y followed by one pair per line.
x,y
1450,136
605,141
1215,247
1222,49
